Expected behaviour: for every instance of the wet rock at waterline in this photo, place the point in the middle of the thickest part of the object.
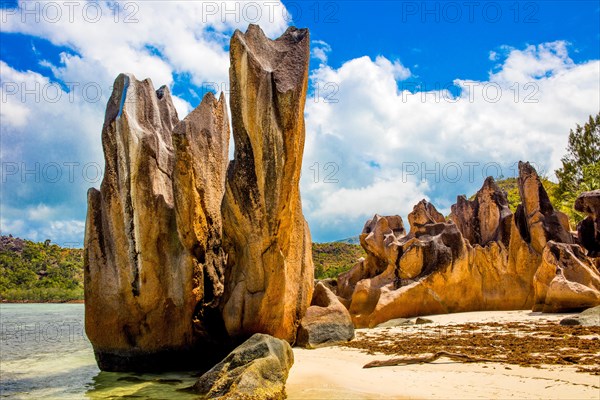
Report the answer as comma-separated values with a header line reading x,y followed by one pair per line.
x,y
131,236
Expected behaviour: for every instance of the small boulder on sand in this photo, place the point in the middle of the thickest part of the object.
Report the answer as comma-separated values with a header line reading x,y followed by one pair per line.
x,y
257,369
326,322
589,317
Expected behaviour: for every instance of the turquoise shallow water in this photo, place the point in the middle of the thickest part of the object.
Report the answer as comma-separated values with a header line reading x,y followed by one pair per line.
x,y
44,354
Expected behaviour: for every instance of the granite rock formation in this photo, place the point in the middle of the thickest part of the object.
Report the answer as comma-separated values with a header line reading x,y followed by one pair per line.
x,y
589,229
185,253
566,280
270,269
130,237
483,258
485,219
326,322
255,370
201,147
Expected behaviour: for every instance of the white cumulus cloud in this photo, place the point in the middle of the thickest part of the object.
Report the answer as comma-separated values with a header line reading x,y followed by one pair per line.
x,y
384,140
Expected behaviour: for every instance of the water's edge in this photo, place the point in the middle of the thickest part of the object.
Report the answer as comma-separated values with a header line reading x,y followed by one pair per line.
x,y
44,354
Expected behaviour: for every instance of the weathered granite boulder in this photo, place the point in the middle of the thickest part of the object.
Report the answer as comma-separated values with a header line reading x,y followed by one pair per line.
x,y
270,279
589,229
566,280
255,370
589,317
326,322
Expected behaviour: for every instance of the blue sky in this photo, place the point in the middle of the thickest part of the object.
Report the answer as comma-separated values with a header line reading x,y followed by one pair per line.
x,y
408,100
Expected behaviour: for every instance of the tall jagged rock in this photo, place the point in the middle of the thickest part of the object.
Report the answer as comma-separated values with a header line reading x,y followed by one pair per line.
x,y
131,294
538,221
270,279
149,249
201,143
185,255
484,219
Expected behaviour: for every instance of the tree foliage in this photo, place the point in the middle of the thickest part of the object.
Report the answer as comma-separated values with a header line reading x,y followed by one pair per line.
x,y
331,259
32,271
580,171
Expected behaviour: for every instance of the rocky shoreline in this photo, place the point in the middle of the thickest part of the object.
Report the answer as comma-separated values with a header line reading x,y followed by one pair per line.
x,y
193,260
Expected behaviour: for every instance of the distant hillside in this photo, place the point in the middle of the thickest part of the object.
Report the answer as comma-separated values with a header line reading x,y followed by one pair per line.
x,y
39,272
45,272
331,259
350,240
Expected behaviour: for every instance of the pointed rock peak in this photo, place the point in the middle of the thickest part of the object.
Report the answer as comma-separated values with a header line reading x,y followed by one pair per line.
x,y
286,57
424,213
525,168
533,194
490,182
160,93
116,102
139,97
252,30
209,96
491,191
207,107
291,34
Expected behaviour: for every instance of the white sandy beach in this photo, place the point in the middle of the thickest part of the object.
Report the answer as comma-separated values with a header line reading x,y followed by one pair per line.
x,y
337,373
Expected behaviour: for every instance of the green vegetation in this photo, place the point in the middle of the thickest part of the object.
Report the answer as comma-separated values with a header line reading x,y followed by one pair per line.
x,y
580,170
39,272
331,259
45,272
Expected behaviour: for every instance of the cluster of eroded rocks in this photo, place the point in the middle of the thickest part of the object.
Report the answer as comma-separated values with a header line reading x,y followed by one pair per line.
x,y
483,257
